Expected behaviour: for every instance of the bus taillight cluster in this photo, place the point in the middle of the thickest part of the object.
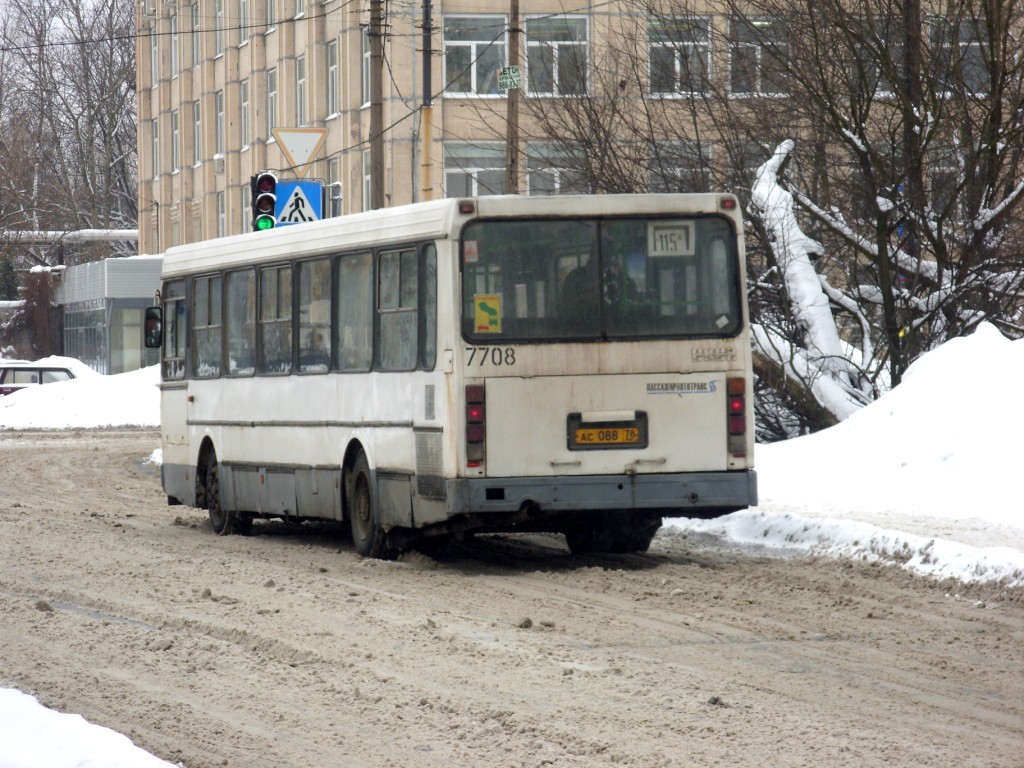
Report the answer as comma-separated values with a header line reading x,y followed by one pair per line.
x,y
476,430
736,389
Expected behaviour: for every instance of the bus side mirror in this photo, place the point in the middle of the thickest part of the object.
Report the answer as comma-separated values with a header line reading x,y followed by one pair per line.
x,y
153,328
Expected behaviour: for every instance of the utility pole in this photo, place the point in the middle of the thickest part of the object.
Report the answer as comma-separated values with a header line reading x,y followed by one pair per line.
x,y
427,113
376,35
512,119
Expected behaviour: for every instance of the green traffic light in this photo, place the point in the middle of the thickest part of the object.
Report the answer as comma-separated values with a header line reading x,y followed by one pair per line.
x,y
264,222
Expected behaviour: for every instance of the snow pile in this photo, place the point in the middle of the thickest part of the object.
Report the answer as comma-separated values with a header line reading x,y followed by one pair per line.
x,y
32,735
924,476
91,400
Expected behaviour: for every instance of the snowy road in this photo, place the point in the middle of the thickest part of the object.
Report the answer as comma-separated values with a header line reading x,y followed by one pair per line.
x,y
285,649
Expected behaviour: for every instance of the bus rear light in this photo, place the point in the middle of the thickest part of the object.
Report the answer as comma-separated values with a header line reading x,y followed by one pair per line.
x,y
736,415
476,426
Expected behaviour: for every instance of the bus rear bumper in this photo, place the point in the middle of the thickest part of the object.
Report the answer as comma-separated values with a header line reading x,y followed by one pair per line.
x,y
689,494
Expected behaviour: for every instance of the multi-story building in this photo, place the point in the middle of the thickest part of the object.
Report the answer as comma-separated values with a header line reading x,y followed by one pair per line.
x,y
215,77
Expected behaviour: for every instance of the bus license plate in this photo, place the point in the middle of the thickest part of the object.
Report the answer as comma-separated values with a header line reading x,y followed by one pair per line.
x,y
592,435
607,436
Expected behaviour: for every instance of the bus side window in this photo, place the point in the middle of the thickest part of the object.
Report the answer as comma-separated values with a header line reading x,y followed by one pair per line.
x,y
397,294
206,326
240,318
355,312
428,308
275,325
314,315
175,331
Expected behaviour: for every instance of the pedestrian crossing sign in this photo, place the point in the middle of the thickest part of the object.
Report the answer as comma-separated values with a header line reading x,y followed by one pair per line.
x,y
298,202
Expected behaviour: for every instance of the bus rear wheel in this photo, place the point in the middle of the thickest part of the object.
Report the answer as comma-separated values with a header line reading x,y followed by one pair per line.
x,y
368,535
609,534
223,522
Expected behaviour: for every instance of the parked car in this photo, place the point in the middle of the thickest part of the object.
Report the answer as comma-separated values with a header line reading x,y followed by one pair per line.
x,y
18,374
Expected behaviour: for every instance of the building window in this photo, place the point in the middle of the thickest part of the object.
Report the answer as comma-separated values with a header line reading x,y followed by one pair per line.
x,y
680,55
197,133
556,55
367,180
366,65
222,215
174,45
243,21
271,102
473,170
218,26
243,99
155,159
218,103
196,38
300,8
154,59
334,188
679,166
553,171
246,208
332,77
757,53
300,90
474,50
964,48
271,17
175,142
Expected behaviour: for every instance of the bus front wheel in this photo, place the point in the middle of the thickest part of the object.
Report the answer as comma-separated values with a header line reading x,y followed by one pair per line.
x,y
368,535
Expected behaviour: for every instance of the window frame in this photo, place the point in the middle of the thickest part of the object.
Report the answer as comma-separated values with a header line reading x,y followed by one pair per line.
x,y
332,91
681,49
762,58
478,49
271,82
301,93
535,45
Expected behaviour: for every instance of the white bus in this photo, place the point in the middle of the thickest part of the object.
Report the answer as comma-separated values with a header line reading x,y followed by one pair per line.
x,y
569,364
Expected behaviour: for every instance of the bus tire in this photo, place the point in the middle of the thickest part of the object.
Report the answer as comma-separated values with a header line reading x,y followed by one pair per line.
x,y
223,522
368,535
606,535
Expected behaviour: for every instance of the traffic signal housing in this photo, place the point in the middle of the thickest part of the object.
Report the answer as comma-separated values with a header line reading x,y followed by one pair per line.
x,y
264,201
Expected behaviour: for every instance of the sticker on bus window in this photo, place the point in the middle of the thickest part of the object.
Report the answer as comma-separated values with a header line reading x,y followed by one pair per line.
x,y
487,312
470,251
670,238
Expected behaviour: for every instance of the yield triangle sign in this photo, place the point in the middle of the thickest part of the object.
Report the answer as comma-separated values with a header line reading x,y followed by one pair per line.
x,y
300,146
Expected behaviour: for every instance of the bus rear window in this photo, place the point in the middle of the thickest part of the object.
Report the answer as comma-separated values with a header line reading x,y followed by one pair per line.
x,y
580,279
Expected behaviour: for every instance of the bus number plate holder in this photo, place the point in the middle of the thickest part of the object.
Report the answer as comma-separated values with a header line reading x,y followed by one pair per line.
x,y
603,435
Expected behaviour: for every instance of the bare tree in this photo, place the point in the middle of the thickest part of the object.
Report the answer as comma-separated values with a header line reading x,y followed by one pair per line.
x,y
67,115
905,165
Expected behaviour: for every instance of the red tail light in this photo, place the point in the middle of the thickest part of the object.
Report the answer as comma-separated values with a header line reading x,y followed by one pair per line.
x,y
476,424
736,415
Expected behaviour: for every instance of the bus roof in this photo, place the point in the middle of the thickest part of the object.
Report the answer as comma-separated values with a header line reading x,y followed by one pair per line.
x,y
406,223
